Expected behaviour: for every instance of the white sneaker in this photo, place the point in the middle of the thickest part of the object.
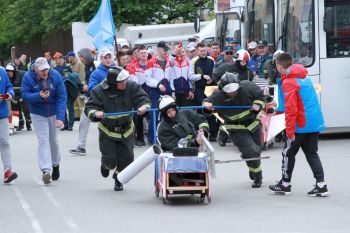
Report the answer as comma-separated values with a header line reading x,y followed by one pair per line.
x,y
11,131
46,178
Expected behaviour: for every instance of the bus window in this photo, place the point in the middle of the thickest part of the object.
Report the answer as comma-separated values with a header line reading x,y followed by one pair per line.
x,y
338,35
261,20
299,31
208,40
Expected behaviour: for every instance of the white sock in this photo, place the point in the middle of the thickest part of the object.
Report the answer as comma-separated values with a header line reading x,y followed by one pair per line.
x,y
285,184
321,184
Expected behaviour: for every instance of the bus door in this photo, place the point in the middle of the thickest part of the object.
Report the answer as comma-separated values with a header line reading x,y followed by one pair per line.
x,y
335,62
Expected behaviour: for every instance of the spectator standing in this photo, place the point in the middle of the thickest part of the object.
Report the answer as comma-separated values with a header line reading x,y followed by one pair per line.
x,y
6,92
17,103
201,70
44,90
158,75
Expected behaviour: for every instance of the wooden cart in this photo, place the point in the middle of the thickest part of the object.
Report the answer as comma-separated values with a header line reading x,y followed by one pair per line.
x,y
182,175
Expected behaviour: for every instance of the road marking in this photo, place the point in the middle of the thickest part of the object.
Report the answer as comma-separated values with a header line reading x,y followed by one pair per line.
x,y
69,221
26,207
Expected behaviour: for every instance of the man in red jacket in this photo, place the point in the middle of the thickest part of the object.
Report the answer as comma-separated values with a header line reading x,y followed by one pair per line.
x,y
304,121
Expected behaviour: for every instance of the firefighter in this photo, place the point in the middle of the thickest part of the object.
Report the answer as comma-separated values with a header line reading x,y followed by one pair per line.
x,y
240,67
243,125
179,124
116,137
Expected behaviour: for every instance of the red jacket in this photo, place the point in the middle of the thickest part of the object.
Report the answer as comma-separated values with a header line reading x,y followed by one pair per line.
x,y
155,73
137,73
302,109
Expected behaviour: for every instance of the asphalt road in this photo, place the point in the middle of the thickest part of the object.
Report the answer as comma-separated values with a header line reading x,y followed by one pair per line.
x,y
83,201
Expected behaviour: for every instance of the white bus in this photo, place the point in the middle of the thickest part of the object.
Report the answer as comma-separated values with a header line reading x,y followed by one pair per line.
x,y
317,34
229,16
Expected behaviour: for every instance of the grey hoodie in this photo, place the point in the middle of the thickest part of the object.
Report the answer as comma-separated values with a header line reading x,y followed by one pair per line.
x,y
87,55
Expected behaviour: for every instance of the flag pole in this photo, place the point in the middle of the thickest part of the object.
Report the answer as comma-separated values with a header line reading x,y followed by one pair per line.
x,y
116,50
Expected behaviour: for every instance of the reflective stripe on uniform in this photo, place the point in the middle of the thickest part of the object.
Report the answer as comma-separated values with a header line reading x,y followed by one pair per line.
x,y
203,125
119,116
262,103
146,106
239,116
114,134
91,112
255,170
243,127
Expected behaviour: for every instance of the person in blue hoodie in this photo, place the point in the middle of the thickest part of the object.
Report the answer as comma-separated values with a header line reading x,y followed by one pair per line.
x,y
44,90
6,94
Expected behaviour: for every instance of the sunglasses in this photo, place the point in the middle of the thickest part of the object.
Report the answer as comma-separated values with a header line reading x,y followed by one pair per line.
x,y
229,53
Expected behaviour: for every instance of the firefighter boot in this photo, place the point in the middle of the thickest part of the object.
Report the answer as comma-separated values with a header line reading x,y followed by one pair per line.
x,y
222,138
257,179
117,185
104,171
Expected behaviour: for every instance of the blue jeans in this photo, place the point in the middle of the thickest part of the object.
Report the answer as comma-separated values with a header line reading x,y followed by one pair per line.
x,y
69,121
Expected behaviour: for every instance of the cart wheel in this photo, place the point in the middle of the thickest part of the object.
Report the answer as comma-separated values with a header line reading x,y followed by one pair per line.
x,y
209,199
156,192
201,198
208,196
164,201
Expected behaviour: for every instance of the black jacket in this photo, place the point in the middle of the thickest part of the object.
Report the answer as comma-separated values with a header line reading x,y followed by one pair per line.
x,y
16,82
243,72
239,119
202,66
184,125
109,100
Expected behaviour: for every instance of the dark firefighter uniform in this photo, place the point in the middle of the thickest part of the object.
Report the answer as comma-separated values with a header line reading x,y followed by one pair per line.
x,y
184,124
116,133
243,125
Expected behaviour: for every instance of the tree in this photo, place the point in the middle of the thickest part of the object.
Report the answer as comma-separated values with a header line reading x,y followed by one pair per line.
x,y
22,20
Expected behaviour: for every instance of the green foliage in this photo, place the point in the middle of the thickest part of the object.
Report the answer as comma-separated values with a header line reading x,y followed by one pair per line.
x,y
21,20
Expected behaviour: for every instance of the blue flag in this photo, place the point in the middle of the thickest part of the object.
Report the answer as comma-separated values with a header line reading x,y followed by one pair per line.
x,y
102,27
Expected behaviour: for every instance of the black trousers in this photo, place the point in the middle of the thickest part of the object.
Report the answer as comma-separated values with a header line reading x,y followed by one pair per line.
x,y
249,144
23,109
116,154
182,99
138,121
308,142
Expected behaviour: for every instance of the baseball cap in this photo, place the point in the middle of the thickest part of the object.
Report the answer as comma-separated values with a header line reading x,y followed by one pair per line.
x,y
252,45
162,44
262,43
57,55
41,63
231,40
70,54
190,46
105,51
228,49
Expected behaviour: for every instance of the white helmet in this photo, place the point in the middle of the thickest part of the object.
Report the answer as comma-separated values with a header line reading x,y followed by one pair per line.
x,y
242,55
278,52
116,74
229,82
166,102
10,67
